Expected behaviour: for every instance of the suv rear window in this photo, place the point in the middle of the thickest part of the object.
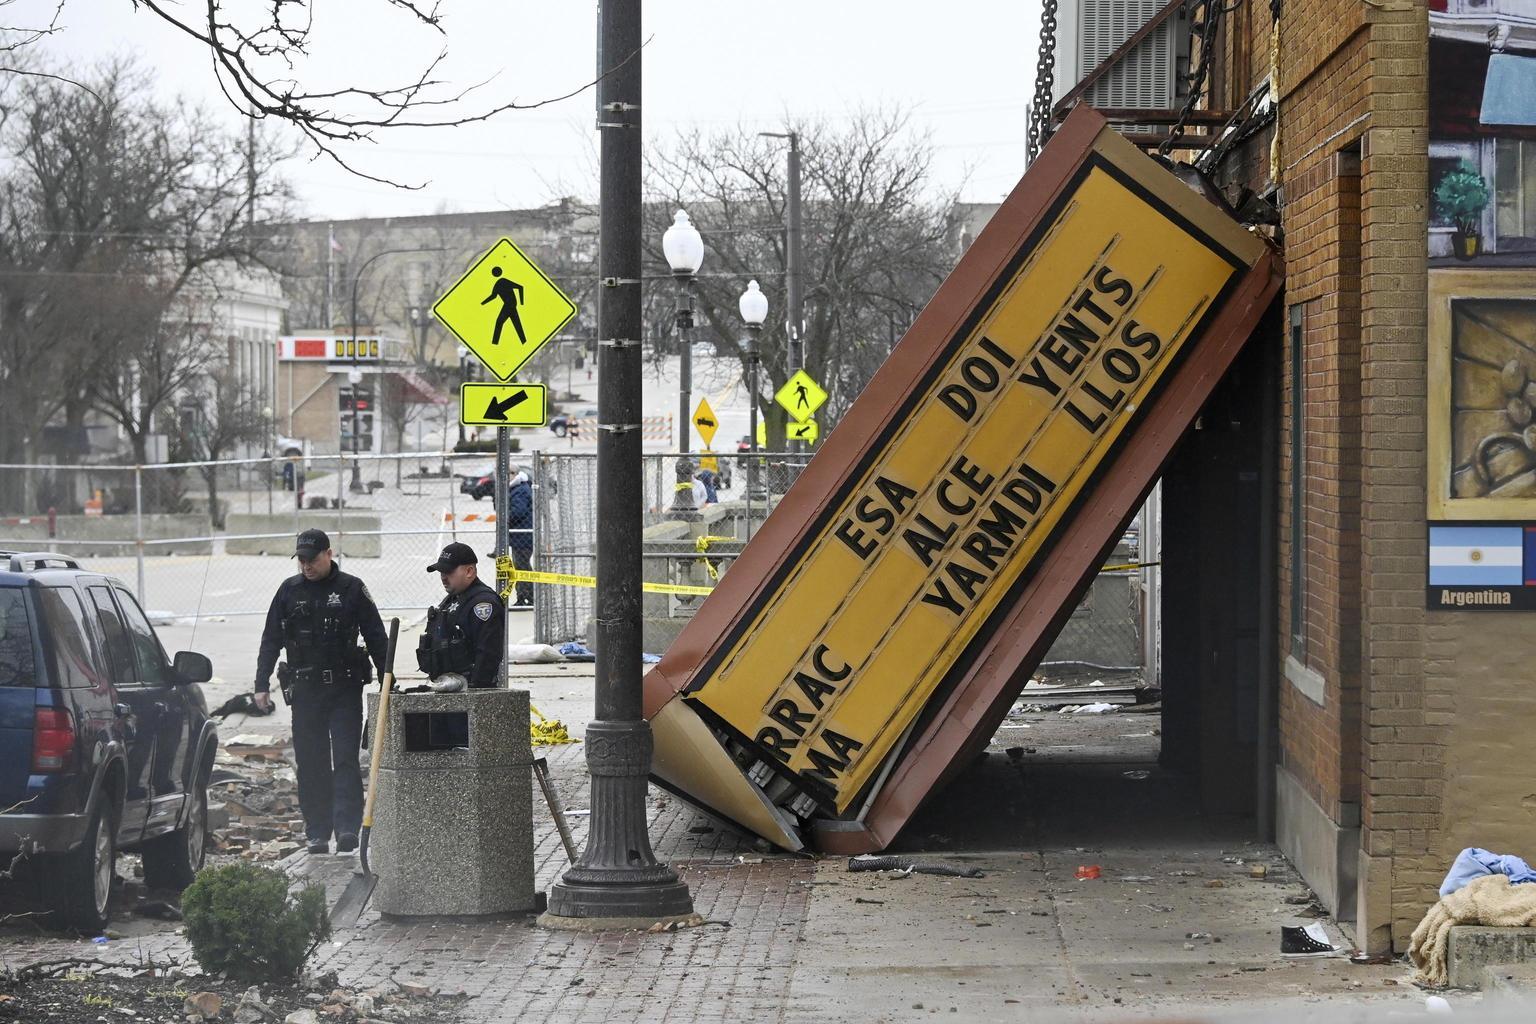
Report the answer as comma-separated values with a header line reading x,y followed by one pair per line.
x,y
16,665
67,632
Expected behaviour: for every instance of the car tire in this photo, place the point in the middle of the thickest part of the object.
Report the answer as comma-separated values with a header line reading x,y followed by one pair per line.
x,y
173,860
84,895
558,429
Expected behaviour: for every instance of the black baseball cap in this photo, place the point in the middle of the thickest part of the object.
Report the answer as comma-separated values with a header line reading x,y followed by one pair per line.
x,y
454,555
311,543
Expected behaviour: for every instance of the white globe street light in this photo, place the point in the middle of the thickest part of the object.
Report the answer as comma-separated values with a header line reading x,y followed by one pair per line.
x,y
754,310
684,249
754,305
683,246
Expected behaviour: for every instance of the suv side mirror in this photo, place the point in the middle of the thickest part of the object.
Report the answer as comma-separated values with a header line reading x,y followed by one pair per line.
x,y
193,667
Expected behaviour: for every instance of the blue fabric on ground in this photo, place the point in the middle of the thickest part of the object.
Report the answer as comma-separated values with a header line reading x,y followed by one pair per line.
x,y
649,659
574,650
1475,863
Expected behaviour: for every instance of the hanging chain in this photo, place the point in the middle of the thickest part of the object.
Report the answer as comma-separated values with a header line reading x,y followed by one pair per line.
x,y
1045,82
1210,17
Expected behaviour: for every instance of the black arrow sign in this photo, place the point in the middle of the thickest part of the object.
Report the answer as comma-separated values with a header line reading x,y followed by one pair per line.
x,y
498,408
803,430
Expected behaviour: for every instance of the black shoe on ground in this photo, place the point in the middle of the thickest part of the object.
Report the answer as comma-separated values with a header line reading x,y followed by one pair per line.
x,y
1310,940
346,842
319,846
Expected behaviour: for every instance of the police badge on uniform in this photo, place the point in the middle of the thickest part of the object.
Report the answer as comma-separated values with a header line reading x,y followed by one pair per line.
x,y
483,611
334,601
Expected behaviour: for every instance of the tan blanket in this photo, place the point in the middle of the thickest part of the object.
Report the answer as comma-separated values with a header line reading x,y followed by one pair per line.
x,y
1490,900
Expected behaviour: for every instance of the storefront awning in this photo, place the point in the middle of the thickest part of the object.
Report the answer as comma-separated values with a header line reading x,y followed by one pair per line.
x,y
1509,91
416,389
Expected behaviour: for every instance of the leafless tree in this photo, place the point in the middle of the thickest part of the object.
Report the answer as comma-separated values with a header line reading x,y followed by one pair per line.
x,y
223,413
877,242
110,204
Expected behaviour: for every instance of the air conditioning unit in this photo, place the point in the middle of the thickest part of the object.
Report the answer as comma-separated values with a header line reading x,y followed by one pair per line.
x,y
1088,31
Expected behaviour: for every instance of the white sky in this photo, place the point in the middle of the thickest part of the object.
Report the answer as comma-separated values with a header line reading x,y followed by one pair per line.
x,y
964,68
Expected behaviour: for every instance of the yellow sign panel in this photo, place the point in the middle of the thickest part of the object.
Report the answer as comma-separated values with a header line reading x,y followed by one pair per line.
x,y
504,309
705,423
710,462
801,396
502,405
807,431
979,468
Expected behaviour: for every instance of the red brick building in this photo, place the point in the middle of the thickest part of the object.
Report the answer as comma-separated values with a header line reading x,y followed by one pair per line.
x,y
1318,628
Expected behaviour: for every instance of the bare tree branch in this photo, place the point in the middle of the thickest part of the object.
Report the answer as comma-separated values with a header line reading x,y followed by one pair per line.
x,y
242,56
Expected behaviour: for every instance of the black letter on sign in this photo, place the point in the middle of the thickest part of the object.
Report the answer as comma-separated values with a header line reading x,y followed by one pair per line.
x,y
771,740
818,659
959,401
788,715
895,493
1118,285
814,689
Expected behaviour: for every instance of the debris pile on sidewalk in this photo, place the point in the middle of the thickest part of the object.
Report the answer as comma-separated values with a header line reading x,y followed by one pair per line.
x,y
259,818
76,990
1046,695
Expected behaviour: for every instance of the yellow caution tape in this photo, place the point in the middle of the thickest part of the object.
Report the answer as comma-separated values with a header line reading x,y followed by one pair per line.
x,y
548,732
1128,566
515,576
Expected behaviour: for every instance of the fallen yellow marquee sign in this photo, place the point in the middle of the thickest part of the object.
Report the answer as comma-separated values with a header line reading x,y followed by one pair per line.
x,y
935,543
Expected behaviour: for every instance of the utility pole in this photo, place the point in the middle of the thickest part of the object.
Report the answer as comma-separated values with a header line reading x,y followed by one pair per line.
x,y
617,881
793,266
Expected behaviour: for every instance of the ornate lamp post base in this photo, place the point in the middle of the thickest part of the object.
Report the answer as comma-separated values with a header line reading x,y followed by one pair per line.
x,y
618,883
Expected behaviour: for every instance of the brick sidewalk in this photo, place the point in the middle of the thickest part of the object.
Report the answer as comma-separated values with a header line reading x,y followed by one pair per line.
x,y
738,964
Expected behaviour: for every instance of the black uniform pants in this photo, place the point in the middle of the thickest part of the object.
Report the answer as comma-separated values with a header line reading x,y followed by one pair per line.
x,y
523,559
327,733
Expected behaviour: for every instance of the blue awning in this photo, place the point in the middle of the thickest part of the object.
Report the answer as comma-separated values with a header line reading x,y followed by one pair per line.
x,y
1509,91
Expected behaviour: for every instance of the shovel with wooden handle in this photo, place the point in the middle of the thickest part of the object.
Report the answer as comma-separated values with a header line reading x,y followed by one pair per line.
x,y
350,907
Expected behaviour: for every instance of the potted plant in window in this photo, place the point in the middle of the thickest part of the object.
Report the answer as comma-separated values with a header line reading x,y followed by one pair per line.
x,y
1460,197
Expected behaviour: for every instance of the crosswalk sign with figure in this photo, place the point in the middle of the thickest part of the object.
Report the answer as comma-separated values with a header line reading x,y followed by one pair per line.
x,y
504,309
801,396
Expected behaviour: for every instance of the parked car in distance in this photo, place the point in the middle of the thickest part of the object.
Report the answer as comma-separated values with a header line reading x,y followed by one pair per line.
x,y
105,743
561,423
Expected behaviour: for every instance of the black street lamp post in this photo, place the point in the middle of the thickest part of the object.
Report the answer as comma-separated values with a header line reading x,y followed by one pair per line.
x,y
754,310
617,881
355,375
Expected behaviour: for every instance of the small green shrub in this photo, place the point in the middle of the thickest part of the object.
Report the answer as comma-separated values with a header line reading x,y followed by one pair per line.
x,y
241,920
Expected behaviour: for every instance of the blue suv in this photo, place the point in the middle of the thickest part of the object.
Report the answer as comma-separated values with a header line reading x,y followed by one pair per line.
x,y
105,744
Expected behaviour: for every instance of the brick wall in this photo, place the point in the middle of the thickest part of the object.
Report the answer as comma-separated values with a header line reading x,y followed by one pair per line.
x,y
1321,123
1352,170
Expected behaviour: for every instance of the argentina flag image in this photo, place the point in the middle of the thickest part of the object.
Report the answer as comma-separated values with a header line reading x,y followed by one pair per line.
x,y
1476,556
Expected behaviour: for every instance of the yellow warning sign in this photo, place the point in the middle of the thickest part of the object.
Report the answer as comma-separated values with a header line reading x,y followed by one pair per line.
x,y
504,309
502,405
705,423
709,461
801,396
807,431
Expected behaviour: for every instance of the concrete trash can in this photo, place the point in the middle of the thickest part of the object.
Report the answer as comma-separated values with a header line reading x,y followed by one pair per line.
x,y
453,822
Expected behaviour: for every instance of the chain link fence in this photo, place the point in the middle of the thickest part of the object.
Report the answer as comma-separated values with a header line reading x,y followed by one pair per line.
x,y
680,548
215,539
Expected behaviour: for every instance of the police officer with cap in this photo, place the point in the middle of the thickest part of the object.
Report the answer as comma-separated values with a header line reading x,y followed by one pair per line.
x,y
465,638
318,616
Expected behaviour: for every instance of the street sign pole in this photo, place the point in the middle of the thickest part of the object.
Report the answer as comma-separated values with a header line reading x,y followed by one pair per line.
x,y
503,463
617,882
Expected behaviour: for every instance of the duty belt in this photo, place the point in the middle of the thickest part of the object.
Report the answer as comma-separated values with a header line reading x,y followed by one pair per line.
x,y
321,676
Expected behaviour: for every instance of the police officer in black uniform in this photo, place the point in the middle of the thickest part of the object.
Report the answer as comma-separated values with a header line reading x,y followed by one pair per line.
x,y
465,638
318,617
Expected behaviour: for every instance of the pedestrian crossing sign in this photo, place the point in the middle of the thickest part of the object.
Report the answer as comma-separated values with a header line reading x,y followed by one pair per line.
x,y
504,309
801,396
807,431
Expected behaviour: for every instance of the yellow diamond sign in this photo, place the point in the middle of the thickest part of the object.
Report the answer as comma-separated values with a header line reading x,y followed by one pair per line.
x,y
801,396
705,422
504,309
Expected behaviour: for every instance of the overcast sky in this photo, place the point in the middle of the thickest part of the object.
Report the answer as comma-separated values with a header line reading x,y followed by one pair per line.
x,y
964,69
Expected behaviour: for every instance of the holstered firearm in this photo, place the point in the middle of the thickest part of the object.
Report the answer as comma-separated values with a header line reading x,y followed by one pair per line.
x,y
285,682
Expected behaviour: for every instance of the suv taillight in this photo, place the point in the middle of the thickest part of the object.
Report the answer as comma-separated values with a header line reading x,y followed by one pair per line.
x,y
53,740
